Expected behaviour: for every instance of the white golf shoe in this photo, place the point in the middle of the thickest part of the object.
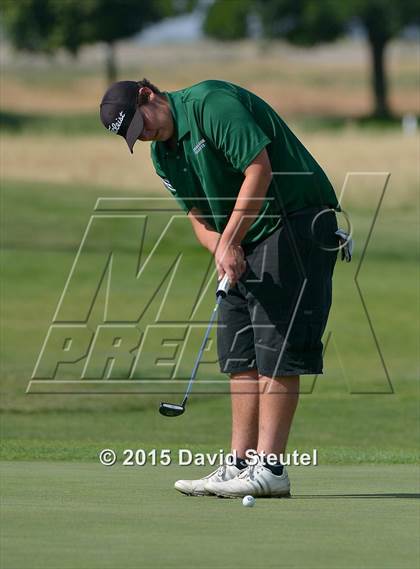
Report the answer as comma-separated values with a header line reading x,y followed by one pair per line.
x,y
197,487
256,481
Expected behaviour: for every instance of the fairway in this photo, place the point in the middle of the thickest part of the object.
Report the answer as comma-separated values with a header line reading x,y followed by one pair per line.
x,y
357,509
85,515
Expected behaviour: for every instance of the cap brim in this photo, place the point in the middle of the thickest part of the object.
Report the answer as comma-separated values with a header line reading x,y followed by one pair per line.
x,y
134,130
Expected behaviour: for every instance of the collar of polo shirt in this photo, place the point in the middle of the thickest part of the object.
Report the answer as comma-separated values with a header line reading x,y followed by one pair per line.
x,y
178,112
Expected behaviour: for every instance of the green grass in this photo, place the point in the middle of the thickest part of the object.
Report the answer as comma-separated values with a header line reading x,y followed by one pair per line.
x,y
85,515
42,124
62,509
351,413
357,434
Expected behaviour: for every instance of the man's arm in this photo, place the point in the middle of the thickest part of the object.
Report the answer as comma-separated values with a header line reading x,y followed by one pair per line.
x,y
250,199
247,207
226,248
234,264
230,126
206,235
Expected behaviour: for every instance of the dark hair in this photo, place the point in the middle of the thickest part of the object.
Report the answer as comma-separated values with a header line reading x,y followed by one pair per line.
x,y
146,83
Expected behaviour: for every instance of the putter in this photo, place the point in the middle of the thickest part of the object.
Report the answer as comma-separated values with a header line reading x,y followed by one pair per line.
x,y
172,409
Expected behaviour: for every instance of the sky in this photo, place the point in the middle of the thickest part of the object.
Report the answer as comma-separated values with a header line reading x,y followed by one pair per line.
x,y
183,28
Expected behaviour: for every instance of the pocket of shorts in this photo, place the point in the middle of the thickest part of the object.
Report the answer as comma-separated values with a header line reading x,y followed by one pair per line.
x,y
306,331
304,314
305,337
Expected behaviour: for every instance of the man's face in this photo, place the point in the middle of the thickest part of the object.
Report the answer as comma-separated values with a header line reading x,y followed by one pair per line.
x,y
157,116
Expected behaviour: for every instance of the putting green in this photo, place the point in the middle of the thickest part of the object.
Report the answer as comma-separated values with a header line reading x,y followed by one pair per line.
x,y
66,515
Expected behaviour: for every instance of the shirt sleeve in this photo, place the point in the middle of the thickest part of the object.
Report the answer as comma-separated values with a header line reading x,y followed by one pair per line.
x,y
232,129
168,185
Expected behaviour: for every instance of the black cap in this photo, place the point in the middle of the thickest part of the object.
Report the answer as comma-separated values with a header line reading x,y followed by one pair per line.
x,y
120,113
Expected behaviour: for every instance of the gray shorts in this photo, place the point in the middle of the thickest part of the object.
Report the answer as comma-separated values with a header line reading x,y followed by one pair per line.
x,y
274,318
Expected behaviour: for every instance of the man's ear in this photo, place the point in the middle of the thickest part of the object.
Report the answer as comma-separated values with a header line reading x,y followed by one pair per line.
x,y
145,95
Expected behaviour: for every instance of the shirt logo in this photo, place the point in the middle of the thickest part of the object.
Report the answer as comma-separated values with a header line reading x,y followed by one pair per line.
x,y
168,185
116,125
199,146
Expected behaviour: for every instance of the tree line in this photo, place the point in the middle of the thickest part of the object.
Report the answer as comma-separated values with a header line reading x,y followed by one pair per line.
x,y
49,25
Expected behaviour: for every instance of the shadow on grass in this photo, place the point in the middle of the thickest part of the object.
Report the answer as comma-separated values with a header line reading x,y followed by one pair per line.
x,y
313,122
403,496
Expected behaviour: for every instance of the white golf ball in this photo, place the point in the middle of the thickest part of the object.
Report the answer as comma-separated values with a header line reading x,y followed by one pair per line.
x,y
248,501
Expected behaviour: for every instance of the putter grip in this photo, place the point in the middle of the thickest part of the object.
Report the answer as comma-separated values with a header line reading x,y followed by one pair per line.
x,y
223,287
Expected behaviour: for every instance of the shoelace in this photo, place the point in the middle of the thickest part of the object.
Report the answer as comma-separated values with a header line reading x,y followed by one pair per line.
x,y
250,471
220,472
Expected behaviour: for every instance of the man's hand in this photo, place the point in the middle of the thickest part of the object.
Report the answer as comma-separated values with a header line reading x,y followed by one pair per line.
x,y
230,260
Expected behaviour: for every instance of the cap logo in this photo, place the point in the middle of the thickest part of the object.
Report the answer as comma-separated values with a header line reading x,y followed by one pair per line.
x,y
116,125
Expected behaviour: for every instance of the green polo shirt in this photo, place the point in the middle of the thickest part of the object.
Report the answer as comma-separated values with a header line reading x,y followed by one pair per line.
x,y
219,129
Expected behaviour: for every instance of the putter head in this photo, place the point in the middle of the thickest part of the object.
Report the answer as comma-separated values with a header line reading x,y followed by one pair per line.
x,y
171,409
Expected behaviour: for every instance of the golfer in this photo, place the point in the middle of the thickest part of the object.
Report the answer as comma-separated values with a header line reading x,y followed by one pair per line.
x,y
262,205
